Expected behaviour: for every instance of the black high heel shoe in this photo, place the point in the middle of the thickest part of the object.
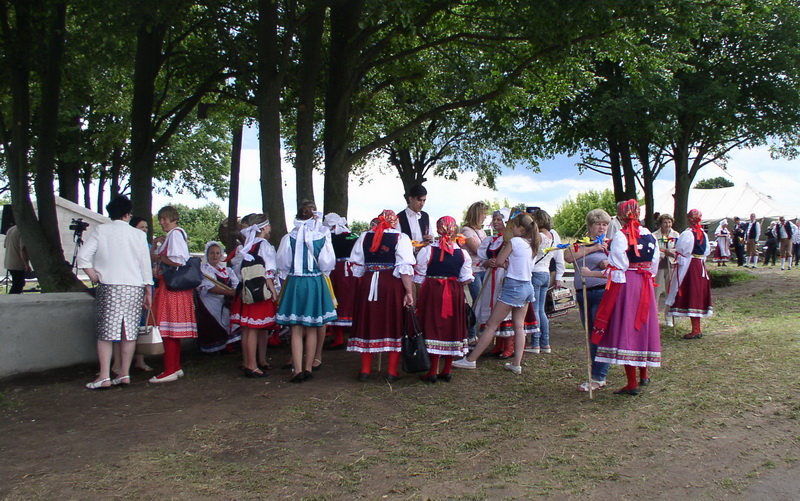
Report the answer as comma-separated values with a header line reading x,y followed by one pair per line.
x,y
300,377
308,375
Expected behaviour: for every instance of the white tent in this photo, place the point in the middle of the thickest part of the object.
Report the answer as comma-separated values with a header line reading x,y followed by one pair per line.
x,y
719,203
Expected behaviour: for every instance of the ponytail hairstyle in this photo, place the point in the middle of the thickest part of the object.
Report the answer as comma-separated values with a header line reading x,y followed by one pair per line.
x,y
530,231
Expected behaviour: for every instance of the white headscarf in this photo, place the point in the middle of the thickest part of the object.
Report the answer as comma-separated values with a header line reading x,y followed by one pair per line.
x,y
250,235
336,223
220,272
304,230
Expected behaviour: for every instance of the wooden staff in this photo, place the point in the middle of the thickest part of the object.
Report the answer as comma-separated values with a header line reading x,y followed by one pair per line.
x,y
217,282
585,321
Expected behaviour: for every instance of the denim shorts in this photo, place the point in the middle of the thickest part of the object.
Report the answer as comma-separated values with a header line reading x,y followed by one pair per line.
x,y
516,293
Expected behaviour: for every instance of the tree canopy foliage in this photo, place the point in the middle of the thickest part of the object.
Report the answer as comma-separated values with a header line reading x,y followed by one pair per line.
x,y
121,94
570,218
713,183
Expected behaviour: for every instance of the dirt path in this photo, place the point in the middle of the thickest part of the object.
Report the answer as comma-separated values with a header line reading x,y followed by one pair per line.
x,y
486,435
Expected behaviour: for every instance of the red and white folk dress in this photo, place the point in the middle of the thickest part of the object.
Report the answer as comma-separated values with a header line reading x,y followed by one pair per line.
x,y
441,303
378,312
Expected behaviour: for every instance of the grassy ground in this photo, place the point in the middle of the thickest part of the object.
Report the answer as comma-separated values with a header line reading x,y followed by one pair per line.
x,y
720,421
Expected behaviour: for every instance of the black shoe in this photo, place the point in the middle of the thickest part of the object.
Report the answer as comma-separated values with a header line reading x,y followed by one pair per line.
x,y
391,378
503,356
625,391
644,382
429,379
445,377
363,376
308,375
254,374
300,377
693,336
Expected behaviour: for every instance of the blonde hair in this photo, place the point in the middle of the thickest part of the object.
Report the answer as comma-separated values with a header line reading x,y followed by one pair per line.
x,y
473,218
595,216
170,213
531,231
543,219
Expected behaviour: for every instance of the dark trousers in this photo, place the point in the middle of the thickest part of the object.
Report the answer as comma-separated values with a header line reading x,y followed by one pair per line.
x,y
739,248
771,253
796,253
17,281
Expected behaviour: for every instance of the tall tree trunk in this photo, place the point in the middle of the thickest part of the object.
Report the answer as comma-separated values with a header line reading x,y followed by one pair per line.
x,y
87,185
116,171
616,170
233,191
268,100
68,179
345,16
311,60
682,185
411,171
40,232
101,185
147,64
643,155
628,172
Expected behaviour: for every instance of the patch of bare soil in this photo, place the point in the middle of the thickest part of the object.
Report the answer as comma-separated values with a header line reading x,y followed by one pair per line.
x,y
485,435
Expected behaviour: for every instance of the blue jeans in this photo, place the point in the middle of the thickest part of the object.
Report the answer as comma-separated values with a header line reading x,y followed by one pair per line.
x,y
593,298
540,281
474,290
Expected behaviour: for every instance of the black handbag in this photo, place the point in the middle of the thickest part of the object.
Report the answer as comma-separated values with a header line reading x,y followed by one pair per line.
x,y
415,354
181,278
472,320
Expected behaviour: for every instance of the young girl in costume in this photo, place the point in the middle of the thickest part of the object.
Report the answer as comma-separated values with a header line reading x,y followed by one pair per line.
x,y
443,269
254,319
306,302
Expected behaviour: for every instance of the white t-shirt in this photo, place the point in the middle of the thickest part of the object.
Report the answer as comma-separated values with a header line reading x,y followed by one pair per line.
x,y
519,262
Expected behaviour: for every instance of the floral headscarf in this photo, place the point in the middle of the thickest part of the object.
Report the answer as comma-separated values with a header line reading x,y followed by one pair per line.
x,y
387,220
629,216
693,218
446,227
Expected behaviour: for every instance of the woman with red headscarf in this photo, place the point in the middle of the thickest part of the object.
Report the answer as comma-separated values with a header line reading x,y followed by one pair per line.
x,y
443,269
384,260
690,289
626,326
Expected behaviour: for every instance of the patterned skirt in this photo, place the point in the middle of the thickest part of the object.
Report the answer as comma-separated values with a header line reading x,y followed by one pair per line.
x,y
260,315
306,300
174,312
443,325
622,343
119,309
378,325
694,293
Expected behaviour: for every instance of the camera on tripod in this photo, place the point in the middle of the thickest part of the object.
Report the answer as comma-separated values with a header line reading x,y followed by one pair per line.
x,y
78,226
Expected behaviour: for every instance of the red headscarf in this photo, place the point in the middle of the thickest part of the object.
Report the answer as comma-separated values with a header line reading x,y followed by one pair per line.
x,y
693,218
387,220
446,227
629,217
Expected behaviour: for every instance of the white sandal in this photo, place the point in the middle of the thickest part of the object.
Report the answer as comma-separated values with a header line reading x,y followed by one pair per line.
x,y
596,385
98,385
119,381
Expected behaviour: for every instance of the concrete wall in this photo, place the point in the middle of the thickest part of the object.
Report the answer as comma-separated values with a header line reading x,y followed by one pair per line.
x,y
46,331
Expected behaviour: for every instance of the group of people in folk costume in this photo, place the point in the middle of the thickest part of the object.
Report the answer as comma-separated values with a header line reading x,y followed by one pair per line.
x,y
373,276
